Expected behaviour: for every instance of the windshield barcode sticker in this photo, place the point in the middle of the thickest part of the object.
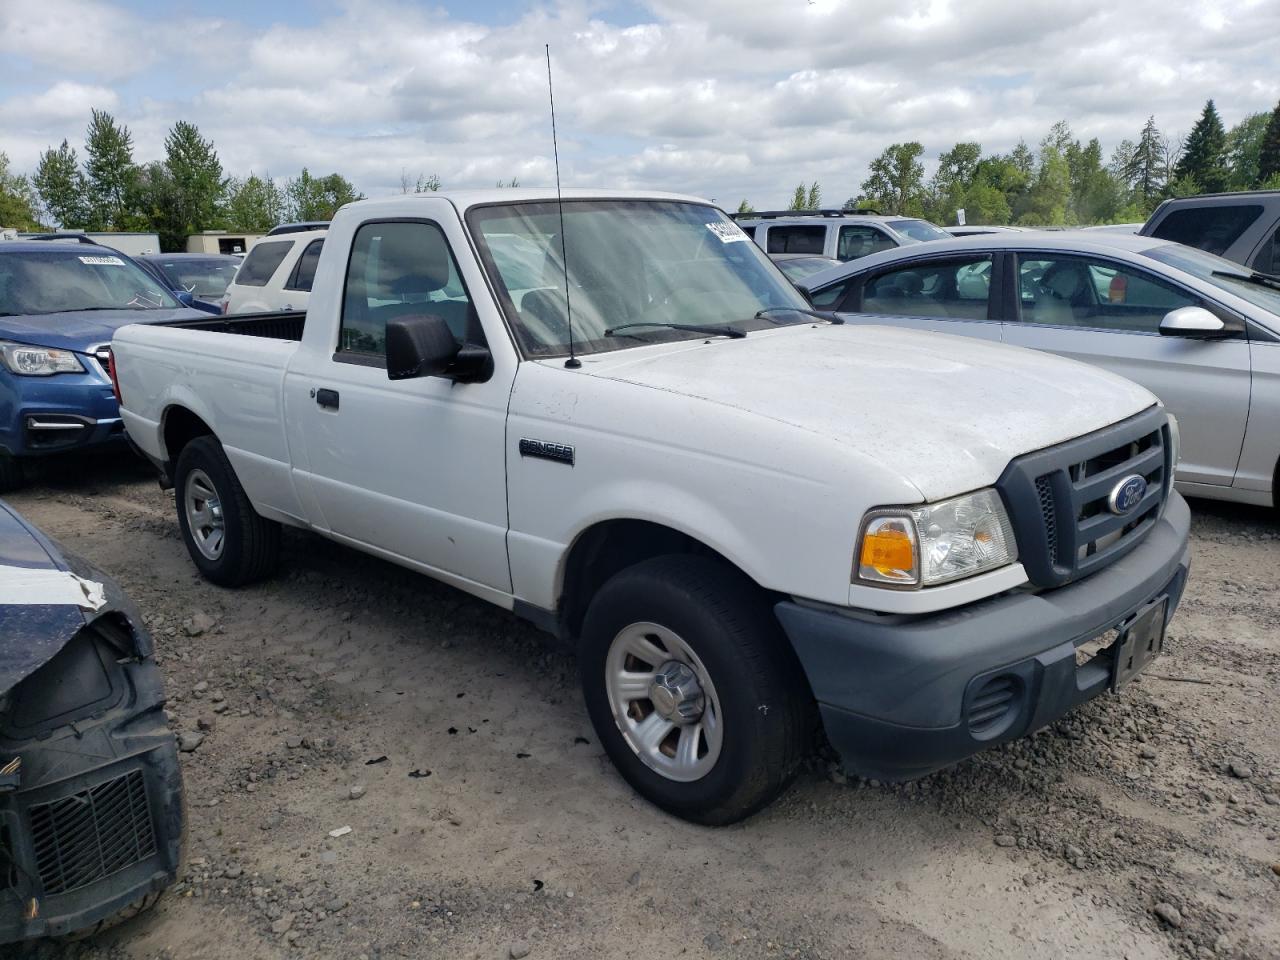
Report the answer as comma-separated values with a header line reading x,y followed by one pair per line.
x,y
727,232
103,261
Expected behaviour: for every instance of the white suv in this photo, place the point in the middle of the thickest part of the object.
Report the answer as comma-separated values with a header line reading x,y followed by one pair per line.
x,y
834,233
276,275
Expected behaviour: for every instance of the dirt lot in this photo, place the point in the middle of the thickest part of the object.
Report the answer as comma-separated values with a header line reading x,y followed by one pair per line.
x,y
485,819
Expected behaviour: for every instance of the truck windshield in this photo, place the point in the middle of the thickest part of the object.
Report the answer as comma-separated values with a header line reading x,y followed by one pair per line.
x,y
38,282
630,263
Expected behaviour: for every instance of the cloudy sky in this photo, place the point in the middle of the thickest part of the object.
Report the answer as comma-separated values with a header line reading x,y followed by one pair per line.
x,y
722,98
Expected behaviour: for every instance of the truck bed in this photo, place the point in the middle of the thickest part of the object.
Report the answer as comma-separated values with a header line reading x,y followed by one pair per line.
x,y
274,325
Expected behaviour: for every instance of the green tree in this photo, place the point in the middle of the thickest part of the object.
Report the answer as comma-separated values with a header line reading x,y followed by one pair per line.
x,y
1244,150
813,200
799,198
199,186
318,198
952,181
1145,172
61,185
1095,192
110,172
17,199
508,184
1269,151
745,208
1204,154
254,204
896,181
1049,200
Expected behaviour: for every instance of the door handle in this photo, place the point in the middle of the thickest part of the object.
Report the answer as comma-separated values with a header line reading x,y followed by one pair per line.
x,y
327,398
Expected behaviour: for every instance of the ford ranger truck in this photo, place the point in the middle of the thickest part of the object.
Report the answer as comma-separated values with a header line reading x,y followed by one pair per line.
x,y
615,418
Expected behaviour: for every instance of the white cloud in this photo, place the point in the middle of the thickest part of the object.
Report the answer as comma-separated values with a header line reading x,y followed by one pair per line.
x,y
727,98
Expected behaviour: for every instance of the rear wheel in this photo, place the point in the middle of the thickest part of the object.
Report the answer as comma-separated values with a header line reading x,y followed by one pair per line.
x,y
227,539
12,475
693,689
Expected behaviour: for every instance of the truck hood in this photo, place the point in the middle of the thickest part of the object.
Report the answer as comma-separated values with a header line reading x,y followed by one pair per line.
x,y
79,330
944,413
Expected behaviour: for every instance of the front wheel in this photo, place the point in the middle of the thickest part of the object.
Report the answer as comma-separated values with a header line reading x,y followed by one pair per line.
x,y
693,689
227,539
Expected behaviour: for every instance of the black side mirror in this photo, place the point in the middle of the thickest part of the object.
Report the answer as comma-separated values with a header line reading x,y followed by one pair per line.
x,y
419,346
422,345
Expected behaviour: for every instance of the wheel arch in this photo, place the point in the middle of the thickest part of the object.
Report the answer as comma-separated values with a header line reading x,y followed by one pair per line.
x,y
607,547
179,425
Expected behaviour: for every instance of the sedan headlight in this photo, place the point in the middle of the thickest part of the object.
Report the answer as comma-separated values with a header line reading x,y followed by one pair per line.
x,y
936,542
39,361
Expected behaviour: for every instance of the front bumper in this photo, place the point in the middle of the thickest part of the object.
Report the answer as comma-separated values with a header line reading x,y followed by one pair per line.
x,y
91,820
899,696
47,415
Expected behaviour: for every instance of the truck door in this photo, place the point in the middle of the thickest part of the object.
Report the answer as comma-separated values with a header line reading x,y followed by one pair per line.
x,y
410,468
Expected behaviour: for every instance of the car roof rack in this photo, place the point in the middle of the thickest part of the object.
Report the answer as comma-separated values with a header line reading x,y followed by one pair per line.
x,y
78,237
303,226
775,214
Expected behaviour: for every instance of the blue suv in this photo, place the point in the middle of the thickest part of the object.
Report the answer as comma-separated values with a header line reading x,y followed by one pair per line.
x,y
60,303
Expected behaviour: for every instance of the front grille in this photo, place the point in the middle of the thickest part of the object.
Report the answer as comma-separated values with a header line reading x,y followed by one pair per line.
x,y
92,834
1059,498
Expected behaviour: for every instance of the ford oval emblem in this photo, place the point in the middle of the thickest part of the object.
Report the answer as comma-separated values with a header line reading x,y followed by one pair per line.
x,y
1127,494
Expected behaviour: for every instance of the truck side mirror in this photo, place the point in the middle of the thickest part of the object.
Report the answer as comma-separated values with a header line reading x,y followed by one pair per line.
x,y
421,345
1195,323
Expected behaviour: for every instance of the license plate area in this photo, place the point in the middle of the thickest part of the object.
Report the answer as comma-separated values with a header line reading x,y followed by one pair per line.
x,y
1141,640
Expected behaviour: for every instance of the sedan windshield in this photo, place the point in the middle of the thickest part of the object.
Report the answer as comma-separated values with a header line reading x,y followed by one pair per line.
x,y
656,268
204,278
1225,274
37,282
920,230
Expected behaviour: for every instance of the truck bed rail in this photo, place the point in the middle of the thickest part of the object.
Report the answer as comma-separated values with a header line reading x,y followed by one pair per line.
x,y
276,325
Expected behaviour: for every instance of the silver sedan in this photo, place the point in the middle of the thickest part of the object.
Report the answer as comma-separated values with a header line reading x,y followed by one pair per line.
x,y
1200,332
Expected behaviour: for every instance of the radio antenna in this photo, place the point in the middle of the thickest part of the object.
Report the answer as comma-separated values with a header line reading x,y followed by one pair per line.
x,y
573,362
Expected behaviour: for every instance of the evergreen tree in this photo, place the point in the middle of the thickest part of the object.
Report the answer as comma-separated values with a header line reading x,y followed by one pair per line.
x,y
1203,157
745,208
110,171
62,188
1269,151
799,198
1145,173
813,201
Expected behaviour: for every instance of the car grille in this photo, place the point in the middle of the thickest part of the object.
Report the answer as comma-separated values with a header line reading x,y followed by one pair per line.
x,y
1058,498
89,835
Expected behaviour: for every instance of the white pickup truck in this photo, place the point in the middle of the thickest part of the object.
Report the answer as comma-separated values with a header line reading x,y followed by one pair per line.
x,y
749,518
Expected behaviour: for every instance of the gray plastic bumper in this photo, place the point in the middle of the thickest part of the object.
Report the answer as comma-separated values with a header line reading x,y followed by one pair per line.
x,y
898,694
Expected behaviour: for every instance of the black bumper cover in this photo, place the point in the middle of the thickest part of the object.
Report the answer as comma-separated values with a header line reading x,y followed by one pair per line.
x,y
895,692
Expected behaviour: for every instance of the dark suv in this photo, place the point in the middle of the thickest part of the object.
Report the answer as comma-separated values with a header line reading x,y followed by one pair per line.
x,y
1244,227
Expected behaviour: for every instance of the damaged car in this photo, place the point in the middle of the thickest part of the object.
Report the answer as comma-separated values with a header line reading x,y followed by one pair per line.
x,y
91,802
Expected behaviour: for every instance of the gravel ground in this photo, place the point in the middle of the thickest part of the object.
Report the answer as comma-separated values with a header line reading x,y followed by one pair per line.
x,y
485,820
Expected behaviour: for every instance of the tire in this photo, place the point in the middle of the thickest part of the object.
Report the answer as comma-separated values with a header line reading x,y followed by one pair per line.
x,y
12,475
702,612
249,547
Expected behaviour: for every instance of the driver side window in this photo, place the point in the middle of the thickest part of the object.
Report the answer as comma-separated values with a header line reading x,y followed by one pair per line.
x,y
396,270
1065,291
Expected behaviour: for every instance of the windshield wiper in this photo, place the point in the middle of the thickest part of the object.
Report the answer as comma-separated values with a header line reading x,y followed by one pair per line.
x,y
1254,276
724,331
829,317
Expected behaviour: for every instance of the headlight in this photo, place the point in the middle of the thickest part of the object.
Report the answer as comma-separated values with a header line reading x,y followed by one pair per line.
x,y
936,542
39,361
